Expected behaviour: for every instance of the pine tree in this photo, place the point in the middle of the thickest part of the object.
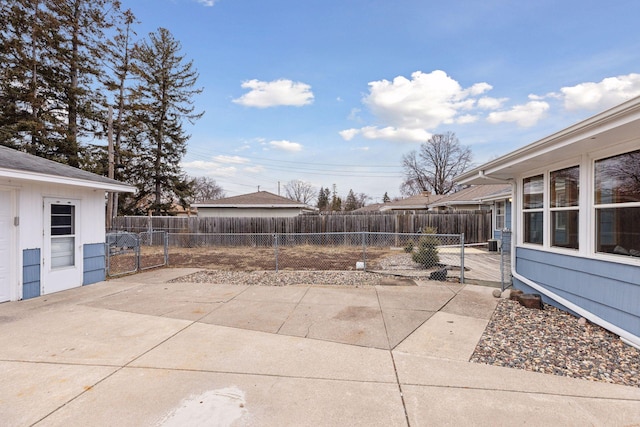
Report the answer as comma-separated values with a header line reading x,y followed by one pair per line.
x,y
28,108
351,204
323,199
162,99
49,51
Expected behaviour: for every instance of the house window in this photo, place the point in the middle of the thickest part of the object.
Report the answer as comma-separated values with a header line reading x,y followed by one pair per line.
x,y
564,186
62,236
617,204
532,208
500,209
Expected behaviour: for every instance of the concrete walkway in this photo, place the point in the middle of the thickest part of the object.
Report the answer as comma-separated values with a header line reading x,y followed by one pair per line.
x,y
139,351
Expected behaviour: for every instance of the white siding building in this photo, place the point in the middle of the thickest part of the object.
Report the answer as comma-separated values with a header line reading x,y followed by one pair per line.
x,y
52,225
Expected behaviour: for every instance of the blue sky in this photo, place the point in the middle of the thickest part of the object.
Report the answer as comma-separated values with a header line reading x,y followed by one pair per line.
x,y
337,91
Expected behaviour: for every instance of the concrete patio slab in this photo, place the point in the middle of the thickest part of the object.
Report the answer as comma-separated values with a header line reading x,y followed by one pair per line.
x,y
153,397
222,349
84,357
262,316
428,371
427,298
83,335
335,295
402,323
428,406
473,301
348,324
445,335
166,298
31,391
285,294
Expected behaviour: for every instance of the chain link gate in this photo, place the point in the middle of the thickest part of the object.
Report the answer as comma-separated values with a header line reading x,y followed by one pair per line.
x,y
129,252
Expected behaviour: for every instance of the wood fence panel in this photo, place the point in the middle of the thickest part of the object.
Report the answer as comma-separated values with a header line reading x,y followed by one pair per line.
x,y
475,225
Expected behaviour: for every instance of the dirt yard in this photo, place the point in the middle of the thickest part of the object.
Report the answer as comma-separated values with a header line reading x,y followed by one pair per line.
x,y
258,258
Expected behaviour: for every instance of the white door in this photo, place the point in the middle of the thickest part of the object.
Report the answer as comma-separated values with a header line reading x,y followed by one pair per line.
x,y
62,254
7,245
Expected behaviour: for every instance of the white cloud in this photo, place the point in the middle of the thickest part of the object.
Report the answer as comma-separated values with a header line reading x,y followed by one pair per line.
x,y
275,93
286,145
254,169
348,134
467,118
602,95
389,133
200,165
425,101
231,159
210,168
207,2
488,103
409,109
525,115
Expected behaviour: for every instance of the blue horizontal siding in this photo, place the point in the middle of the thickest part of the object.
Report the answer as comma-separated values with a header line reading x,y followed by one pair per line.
x,y
93,269
607,289
30,273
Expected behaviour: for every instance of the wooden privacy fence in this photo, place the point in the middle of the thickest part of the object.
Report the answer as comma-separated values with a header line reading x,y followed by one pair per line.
x,y
476,226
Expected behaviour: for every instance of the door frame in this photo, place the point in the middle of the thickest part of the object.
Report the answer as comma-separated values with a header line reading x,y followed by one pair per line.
x,y
61,278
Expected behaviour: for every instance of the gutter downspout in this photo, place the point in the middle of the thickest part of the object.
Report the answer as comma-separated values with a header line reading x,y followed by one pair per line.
x,y
625,336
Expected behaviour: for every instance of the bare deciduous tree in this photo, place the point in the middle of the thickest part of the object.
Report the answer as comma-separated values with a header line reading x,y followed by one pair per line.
x,y
433,167
299,191
206,188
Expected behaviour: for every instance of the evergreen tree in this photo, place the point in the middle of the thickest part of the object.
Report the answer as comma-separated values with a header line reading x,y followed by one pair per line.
x,y
323,199
29,111
162,99
351,204
49,51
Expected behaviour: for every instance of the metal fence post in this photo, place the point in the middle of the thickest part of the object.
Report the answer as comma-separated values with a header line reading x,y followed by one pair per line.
x,y
462,258
166,248
364,251
275,244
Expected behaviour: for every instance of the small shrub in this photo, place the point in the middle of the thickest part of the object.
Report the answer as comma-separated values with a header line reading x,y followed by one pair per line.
x,y
426,253
409,246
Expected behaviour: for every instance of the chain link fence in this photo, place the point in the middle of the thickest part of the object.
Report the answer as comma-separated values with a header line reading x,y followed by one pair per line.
x,y
421,254
129,252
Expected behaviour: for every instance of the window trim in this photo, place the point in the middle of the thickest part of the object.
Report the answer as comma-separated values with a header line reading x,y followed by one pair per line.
x,y
594,207
587,211
542,210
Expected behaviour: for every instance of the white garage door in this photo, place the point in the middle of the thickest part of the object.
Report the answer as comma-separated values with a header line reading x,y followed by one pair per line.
x,y
6,243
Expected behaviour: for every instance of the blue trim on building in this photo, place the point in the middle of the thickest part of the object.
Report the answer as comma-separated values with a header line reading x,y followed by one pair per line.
x,y
94,263
31,273
607,289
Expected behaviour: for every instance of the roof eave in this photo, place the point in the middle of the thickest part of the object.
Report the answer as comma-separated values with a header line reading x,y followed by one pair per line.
x,y
75,182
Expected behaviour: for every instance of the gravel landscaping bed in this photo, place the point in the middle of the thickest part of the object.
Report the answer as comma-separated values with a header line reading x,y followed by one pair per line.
x,y
554,342
285,278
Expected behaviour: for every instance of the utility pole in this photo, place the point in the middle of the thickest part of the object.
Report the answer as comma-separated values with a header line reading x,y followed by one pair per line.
x,y
111,195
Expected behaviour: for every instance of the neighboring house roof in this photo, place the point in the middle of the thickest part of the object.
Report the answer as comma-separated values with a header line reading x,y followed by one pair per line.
x,y
419,201
19,165
475,194
260,199
619,123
